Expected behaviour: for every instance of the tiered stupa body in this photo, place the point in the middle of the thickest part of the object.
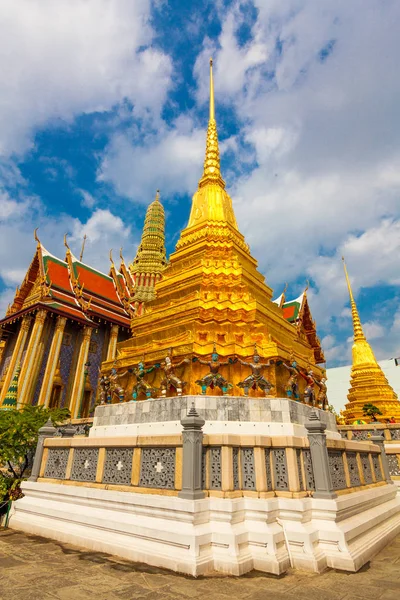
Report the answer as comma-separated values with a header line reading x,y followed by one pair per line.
x,y
368,383
212,293
150,260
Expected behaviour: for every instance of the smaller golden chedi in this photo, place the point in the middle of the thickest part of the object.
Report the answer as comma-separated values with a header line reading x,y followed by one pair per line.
x,y
368,383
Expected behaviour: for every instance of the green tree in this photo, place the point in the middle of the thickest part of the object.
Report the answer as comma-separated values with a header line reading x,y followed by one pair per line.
x,y
19,431
370,410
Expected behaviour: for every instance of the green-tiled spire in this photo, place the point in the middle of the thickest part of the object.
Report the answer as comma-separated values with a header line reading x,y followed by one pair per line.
x,y
150,260
10,399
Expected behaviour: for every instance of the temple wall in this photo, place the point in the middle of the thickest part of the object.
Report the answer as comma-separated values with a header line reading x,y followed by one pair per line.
x,y
67,353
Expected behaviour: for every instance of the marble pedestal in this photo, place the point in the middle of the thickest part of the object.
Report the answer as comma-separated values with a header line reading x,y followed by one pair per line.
x,y
222,414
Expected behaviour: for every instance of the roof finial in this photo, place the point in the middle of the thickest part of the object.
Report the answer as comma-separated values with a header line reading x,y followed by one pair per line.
x,y
35,235
212,105
358,332
157,196
66,243
120,254
111,258
83,248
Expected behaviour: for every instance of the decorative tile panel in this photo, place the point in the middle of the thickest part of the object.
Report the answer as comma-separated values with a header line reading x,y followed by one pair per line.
x,y
235,461
377,467
204,485
280,469
268,468
366,467
299,469
56,464
361,434
66,359
248,471
395,433
215,468
118,466
308,467
336,468
157,468
394,468
343,434
353,469
85,464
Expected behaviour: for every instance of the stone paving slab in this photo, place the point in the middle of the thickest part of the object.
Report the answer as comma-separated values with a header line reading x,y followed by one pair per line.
x,y
35,568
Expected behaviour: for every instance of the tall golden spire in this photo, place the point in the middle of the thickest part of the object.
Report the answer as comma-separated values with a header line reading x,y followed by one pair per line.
x,y
211,202
358,331
368,383
212,168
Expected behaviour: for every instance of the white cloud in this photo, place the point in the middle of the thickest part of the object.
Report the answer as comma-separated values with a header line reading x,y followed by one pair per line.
x,y
171,161
61,59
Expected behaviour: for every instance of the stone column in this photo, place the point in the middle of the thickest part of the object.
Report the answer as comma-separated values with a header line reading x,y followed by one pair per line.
x,y
379,440
54,354
319,457
16,355
44,432
112,344
77,388
30,358
192,451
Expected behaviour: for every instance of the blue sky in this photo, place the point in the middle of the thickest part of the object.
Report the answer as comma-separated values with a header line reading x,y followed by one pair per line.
x,y
102,102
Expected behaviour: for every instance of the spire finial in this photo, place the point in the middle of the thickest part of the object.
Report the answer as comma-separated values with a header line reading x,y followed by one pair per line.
x,y
212,169
358,332
158,196
212,105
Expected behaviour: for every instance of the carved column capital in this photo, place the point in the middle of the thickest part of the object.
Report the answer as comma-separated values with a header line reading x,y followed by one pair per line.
x,y
26,323
40,316
87,333
114,331
60,323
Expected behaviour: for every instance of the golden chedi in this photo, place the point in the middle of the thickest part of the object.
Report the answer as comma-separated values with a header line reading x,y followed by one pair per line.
x,y
211,295
368,383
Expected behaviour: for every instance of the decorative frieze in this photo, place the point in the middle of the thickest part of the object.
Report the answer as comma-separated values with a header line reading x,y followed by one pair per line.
x,y
280,469
157,468
308,468
56,464
353,469
215,468
248,472
204,468
268,468
299,469
366,467
377,467
118,466
84,464
336,468
235,467
394,468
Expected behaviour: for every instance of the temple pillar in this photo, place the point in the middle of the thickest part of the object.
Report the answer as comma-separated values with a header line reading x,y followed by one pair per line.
x,y
54,354
77,388
16,355
112,344
30,358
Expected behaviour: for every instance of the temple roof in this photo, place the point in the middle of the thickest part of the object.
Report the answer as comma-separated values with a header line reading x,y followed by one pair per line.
x,y
74,289
298,312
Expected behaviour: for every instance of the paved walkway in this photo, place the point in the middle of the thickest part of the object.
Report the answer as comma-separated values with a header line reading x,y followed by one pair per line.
x,y
34,568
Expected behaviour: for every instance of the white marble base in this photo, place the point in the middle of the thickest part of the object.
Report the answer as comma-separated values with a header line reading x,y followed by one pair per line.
x,y
232,536
222,414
